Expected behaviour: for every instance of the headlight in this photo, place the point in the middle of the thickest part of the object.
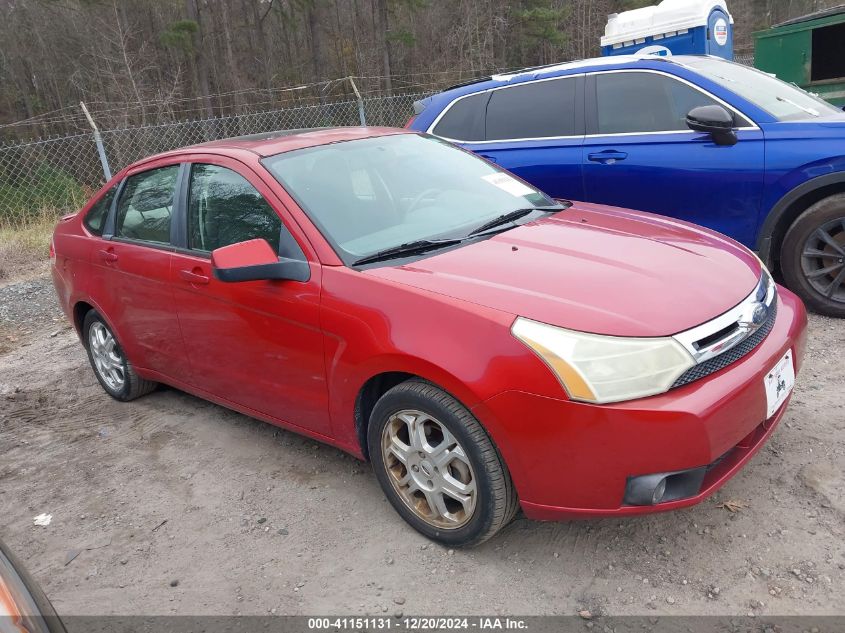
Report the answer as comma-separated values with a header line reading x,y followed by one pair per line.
x,y
596,368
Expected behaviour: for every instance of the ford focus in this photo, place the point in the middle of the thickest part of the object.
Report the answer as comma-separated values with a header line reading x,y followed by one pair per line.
x,y
486,347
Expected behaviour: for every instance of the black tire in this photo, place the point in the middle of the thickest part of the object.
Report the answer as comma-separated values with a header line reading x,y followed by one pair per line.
x,y
133,386
798,268
496,500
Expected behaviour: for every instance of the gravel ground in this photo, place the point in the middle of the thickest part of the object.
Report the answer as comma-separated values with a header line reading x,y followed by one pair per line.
x,y
172,505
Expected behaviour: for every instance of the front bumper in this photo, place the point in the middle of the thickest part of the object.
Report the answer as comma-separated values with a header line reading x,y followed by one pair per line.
x,y
571,459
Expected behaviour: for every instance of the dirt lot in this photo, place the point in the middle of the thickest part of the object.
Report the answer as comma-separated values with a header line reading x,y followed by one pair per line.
x,y
173,505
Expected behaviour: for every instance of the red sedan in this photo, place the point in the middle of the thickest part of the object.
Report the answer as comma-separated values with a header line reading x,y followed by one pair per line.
x,y
484,346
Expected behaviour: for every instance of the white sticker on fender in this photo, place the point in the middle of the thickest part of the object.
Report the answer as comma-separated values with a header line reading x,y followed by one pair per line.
x,y
779,383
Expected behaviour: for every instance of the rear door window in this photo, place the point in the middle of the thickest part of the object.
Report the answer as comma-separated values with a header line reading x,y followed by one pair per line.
x,y
538,109
95,219
145,208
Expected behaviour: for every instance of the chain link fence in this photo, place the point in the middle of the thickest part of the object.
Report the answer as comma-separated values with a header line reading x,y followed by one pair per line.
x,y
745,58
56,175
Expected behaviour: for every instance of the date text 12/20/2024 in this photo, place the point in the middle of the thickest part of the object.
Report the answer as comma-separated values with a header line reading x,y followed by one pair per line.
x,y
415,623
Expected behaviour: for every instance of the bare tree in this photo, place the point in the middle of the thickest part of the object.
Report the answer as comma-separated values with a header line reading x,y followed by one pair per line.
x,y
149,60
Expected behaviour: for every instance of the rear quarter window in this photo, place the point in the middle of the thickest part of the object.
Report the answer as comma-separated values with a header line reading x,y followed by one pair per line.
x,y
95,219
464,120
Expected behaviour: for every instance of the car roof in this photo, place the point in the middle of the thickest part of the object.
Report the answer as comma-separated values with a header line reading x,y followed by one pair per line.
x,y
551,70
279,141
554,70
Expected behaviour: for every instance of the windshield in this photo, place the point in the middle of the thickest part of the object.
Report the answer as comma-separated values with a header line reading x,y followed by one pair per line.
x,y
784,101
372,194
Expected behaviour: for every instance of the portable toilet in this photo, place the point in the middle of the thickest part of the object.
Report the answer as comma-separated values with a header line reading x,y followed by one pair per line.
x,y
680,27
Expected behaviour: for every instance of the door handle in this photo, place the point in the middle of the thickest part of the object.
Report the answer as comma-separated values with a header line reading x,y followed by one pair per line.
x,y
108,256
193,278
607,157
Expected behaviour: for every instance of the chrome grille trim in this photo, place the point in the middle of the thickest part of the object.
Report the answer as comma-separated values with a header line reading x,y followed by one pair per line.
x,y
731,356
704,342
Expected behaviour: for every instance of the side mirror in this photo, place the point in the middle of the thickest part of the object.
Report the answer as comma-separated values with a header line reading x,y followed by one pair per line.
x,y
715,121
255,260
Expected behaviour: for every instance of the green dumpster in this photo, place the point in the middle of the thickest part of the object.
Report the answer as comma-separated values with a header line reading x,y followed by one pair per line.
x,y
808,51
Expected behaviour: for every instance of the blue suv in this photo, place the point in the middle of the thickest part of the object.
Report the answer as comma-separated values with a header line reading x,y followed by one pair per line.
x,y
692,137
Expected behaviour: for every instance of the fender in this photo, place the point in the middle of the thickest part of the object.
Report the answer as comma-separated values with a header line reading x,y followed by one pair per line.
x,y
770,225
343,397
80,298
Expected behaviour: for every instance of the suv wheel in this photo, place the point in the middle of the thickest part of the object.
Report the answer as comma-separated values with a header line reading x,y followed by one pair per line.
x,y
813,256
438,467
114,372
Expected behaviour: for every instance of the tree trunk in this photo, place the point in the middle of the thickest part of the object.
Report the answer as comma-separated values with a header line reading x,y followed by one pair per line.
x,y
384,35
199,63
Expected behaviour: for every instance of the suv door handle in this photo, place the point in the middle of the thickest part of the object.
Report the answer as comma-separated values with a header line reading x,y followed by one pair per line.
x,y
108,256
607,157
192,277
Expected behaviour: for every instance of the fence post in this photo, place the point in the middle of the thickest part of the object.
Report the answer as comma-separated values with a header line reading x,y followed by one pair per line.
x,y
104,161
361,114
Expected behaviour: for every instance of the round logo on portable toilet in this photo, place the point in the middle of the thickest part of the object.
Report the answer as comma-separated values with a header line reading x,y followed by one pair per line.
x,y
720,32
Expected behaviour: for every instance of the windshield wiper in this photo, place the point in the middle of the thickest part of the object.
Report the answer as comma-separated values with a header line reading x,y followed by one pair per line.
x,y
512,216
422,246
810,111
408,248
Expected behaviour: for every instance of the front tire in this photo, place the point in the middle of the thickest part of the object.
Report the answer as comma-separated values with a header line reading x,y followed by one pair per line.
x,y
111,367
438,467
813,256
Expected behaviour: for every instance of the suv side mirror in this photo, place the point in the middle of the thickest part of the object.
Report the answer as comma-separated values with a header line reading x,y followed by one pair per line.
x,y
255,260
715,121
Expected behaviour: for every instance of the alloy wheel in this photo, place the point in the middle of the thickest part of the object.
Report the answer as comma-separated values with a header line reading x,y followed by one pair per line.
x,y
823,259
429,469
106,355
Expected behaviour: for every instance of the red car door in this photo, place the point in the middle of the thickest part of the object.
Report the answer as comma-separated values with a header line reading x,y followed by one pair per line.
x,y
256,344
130,272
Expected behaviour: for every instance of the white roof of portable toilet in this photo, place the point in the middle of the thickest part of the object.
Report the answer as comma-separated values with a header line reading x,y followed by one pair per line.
x,y
666,17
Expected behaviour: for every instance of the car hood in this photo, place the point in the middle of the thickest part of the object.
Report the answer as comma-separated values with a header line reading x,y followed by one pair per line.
x,y
595,269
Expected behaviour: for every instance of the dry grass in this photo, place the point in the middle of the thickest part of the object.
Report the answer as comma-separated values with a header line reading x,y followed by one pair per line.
x,y
25,246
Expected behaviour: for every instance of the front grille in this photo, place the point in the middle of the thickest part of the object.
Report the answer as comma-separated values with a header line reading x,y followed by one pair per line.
x,y
732,355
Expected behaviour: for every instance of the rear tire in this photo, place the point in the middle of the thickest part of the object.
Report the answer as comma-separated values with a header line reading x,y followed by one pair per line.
x,y
113,370
813,256
449,481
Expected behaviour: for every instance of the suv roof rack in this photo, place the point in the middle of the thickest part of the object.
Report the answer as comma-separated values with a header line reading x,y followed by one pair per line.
x,y
478,80
468,82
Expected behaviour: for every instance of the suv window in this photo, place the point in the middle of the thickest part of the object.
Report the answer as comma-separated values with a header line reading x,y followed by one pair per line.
x,y
146,206
464,120
786,102
95,219
534,110
223,209
644,102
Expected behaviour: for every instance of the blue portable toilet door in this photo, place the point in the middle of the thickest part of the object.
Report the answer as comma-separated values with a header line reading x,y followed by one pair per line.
x,y
720,37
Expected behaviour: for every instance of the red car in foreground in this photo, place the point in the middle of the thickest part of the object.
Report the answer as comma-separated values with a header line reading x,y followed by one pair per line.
x,y
484,346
